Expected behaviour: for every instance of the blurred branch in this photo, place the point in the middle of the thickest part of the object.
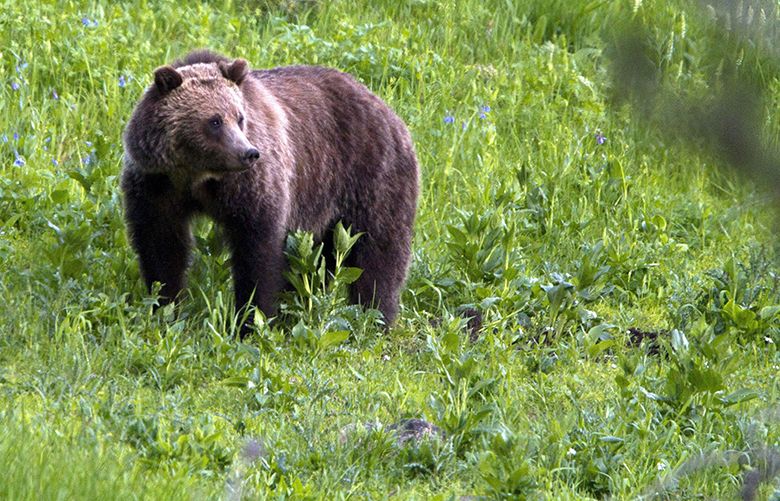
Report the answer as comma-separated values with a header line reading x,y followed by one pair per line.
x,y
729,120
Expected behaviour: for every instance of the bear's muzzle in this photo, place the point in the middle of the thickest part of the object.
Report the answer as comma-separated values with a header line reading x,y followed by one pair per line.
x,y
249,157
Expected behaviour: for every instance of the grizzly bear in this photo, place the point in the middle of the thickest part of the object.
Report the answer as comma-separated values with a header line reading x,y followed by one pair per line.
x,y
264,152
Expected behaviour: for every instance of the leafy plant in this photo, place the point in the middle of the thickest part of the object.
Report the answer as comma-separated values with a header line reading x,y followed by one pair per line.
x,y
482,246
319,304
462,408
734,305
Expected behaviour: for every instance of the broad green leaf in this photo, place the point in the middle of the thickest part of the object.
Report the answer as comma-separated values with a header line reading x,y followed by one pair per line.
x,y
600,332
236,381
769,312
332,338
599,348
348,275
59,196
739,396
659,221
705,379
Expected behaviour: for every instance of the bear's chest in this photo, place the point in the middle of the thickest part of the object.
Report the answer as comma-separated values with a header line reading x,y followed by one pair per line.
x,y
208,196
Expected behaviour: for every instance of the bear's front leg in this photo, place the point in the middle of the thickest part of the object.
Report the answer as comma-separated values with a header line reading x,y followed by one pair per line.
x,y
159,229
258,266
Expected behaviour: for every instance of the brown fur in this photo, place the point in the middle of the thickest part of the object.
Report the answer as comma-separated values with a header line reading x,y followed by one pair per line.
x,y
329,150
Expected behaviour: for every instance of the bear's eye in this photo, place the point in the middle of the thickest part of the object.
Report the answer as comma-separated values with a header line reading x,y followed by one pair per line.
x,y
240,120
215,122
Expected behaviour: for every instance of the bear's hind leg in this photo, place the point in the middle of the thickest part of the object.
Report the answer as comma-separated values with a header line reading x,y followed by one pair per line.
x,y
384,263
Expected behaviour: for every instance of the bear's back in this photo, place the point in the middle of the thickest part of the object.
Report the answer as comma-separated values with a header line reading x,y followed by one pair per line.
x,y
318,89
343,137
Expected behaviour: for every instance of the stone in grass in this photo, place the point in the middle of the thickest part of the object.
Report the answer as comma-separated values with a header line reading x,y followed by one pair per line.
x,y
636,337
473,322
406,431
414,430
473,319
346,432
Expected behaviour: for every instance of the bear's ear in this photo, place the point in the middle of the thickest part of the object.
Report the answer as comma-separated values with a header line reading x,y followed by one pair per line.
x,y
166,79
235,71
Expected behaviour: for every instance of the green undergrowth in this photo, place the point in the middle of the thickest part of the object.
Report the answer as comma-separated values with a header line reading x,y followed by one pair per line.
x,y
592,310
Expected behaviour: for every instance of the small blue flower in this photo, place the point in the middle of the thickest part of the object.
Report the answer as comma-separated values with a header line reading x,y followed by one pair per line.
x,y
600,138
4,137
463,125
21,67
15,85
16,136
482,116
54,95
54,162
85,21
88,143
448,119
122,81
485,109
19,159
89,159
89,23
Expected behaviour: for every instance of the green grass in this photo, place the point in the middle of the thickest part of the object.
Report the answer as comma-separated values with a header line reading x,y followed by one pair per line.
x,y
561,243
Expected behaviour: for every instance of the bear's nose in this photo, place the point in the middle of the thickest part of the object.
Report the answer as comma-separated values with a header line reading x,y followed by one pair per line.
x,y
250,155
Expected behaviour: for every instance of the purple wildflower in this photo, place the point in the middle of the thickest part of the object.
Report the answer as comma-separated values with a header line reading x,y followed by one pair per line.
x,y
54,94
463,125
19,159
122,81
54,162
600,138
15,85
88,143
4,138
21,67
448,119
16,136
85,21
482,115
485,109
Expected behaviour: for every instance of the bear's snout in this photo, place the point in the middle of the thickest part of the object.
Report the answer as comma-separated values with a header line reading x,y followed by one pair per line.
x,y
250,156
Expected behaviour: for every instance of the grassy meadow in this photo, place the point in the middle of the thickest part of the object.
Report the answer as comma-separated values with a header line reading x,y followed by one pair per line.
x,y
592,312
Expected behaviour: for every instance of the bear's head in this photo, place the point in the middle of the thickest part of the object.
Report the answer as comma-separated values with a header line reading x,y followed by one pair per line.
x,y
193,119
